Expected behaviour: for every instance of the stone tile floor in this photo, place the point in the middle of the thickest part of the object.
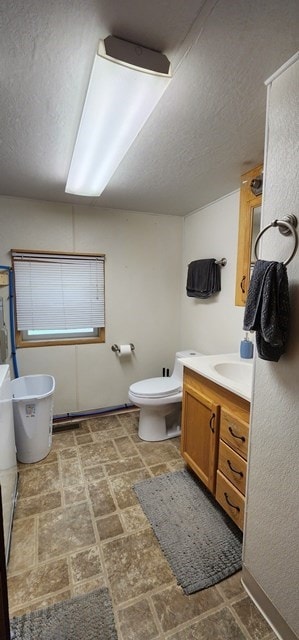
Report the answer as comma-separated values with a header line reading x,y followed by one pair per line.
x,y
78,525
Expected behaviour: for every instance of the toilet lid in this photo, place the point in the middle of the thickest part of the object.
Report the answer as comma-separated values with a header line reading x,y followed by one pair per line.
x,y
156,387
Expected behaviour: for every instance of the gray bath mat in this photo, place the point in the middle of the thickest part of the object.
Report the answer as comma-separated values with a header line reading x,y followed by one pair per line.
x,y
89,616
202,545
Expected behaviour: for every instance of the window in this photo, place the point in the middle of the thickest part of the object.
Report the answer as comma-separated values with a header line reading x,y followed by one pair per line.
x,y
59,298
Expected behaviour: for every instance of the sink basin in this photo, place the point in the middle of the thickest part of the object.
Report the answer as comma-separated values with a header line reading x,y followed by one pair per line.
x,y
227,370
236,371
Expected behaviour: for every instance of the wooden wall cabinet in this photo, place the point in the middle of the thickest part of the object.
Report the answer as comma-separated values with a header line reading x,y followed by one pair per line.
x,y
214,440
249,203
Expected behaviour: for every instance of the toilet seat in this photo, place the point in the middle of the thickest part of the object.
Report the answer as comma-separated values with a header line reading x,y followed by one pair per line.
x,y
156,388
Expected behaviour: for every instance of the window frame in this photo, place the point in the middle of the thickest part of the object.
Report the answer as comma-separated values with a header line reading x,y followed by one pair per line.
x,y
28,342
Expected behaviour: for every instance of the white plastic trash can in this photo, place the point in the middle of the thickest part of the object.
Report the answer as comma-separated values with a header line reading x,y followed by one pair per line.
x,y
33,399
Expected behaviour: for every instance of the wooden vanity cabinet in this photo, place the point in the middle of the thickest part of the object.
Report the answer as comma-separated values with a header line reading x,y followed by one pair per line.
x,y
214,440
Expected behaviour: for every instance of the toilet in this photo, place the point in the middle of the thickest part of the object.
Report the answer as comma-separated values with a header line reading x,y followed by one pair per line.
x,y
160,402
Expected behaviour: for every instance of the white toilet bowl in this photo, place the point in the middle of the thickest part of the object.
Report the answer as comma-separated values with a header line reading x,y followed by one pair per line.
x,y
160,402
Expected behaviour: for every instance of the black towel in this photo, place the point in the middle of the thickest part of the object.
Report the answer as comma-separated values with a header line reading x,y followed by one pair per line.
x,y
203,279
267,309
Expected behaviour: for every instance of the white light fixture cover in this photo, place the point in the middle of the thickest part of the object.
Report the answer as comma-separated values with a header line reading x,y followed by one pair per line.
x,y
119,100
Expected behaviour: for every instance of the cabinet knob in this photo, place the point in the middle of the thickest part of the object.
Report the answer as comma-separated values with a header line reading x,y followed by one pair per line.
x,y
240,473
213,416
230,504
235,435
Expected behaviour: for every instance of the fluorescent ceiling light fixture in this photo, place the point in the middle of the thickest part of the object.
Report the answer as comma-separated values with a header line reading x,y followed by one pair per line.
x,y
126,83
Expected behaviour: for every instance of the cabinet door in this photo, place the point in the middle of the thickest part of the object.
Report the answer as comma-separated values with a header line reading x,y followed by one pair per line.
x,y
249,223
200,434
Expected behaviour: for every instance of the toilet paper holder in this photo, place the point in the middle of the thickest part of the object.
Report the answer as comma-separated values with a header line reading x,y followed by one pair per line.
x,y
116,348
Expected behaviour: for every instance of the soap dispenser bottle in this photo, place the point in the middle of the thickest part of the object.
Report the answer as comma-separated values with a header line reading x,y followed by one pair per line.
x,y
246,348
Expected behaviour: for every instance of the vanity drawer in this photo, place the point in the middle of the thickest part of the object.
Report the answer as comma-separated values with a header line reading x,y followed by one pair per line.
x,y
232,466
234,431
230,499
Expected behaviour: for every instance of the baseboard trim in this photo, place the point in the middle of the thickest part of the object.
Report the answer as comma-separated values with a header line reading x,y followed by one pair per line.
x,y
266,607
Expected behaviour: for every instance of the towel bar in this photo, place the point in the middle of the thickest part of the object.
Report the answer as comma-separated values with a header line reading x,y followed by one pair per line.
x,y
287,225
222,262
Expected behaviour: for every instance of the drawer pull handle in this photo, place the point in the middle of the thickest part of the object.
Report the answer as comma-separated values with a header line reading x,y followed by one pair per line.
x,y
211,422
230,504
240,473
242,284
236,436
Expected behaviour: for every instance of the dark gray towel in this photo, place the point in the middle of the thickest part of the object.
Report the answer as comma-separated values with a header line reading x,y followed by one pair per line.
x,y
267,309
203,279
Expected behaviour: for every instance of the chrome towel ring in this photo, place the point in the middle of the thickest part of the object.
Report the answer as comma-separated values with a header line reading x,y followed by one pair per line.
x,y
287,225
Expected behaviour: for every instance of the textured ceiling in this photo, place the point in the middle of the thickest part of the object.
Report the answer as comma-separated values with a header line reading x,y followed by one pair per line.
x,y
208,127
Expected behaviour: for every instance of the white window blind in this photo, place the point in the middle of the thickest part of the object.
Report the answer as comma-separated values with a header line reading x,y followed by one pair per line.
x,y
58,291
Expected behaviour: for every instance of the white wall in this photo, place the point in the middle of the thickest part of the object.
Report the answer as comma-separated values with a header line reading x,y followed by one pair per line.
x,y
271,546
146,301
213,325
143,286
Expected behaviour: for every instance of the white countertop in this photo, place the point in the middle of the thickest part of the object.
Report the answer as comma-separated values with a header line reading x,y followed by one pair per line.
x,y
228,370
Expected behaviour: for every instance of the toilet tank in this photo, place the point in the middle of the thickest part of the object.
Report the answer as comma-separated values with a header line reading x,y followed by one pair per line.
x,y
178,366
